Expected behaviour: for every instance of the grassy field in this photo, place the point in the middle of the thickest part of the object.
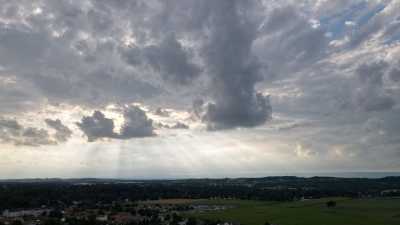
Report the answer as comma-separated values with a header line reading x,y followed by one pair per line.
x,y
310,212
175,201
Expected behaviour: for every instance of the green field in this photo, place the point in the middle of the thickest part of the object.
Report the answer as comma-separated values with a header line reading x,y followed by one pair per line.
x,y
309,212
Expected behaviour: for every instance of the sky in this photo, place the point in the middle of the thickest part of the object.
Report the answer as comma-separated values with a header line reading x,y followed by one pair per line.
x,y
177,89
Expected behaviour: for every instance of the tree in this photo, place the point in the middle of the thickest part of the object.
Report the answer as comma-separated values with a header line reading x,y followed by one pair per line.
x,y
52,222
191,221
16,222
331,204
56,214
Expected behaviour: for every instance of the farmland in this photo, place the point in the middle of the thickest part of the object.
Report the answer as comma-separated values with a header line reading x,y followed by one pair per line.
x,y
308,212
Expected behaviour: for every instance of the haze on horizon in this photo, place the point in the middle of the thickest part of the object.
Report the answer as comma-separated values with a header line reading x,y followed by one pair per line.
x,y
171,89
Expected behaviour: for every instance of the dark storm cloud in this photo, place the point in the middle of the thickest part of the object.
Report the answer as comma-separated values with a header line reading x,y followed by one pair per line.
x,y
97,126
234,70
136,124
63,133
224,32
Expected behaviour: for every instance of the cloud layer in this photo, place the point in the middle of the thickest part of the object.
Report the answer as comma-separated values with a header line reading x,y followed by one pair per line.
x,y
321,76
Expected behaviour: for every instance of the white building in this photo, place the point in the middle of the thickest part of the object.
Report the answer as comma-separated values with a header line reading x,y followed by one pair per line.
x,y
20,213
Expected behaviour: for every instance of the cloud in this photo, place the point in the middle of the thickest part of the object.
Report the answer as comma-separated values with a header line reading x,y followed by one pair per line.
x,y
21,46
62,53
169,59
136,124
10,124
234,70
97,126
34,137
373,124
395,74
279,19
371,96
161,112
226,60
180,125
94,53
304,151
12,132
63,133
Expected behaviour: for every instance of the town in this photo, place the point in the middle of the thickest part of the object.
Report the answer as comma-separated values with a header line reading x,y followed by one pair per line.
x,y
185,202
124,212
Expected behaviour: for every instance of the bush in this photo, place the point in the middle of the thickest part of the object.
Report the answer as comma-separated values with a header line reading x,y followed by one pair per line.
x,y
331,204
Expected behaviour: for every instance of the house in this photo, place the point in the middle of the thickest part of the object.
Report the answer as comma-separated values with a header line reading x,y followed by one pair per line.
x,y
229,223
102,218
125,218
30,212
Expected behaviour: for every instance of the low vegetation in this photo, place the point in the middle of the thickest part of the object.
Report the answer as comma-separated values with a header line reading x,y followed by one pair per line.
x,y
381,211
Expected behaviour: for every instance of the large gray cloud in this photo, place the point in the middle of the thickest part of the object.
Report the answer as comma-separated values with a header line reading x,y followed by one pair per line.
x,y
97,126
234,70
223,33
136,124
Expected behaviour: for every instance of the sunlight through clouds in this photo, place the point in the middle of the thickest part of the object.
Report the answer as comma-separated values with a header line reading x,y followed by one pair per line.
x,y
139,89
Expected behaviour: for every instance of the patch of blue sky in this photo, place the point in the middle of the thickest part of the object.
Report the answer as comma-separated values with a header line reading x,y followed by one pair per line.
x,y
360,13
335,23
367,16
393,38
